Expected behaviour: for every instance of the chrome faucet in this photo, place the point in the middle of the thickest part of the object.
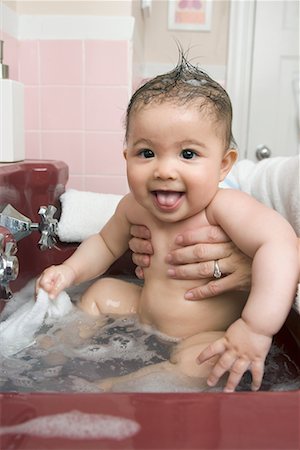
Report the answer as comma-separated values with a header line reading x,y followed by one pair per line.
x,y
14,226
9,264
21,226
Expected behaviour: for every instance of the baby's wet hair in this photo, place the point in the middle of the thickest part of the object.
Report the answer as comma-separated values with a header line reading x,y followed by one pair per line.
x,y
186,83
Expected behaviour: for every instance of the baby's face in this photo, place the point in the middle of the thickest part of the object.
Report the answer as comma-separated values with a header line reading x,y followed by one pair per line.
x,y
175,159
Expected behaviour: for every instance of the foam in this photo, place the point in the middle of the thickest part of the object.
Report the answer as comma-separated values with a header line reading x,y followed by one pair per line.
x,y
162,381
76,425
75,352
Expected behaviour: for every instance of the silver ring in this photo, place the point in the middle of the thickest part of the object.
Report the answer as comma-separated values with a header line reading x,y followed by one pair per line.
x,y
217,272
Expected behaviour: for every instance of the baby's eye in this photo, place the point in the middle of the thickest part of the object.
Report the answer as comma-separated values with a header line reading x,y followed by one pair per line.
x,y
188,154
146,153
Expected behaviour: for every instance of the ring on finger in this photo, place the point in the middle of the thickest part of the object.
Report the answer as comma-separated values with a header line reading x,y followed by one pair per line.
x,y
217,271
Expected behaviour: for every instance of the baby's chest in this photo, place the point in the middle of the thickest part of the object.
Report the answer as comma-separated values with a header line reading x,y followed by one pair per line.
x,y
164,234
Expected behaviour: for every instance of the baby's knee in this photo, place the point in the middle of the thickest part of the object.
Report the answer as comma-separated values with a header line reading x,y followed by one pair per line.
x,y
110,296
90,301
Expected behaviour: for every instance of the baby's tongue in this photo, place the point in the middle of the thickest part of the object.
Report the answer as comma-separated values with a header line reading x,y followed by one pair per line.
x,y
166,198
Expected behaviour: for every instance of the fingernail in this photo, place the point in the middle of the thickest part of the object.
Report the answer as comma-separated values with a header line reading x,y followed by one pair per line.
x,y
169,258
228,391
179,239
171,273
189,295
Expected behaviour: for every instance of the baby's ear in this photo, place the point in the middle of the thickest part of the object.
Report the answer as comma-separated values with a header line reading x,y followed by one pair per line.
x,y
125,153
228,160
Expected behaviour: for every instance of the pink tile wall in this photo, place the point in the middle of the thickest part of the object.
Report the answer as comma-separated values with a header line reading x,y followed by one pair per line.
x,y
10,54
76,94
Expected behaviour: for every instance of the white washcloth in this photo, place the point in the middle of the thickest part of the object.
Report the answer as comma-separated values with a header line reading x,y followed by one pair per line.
x,y
18,330
84,213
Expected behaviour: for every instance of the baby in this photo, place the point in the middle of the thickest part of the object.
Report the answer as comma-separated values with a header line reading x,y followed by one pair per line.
x,y
179,147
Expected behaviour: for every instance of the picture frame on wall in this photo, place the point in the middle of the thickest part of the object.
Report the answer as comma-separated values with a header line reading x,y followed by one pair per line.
x,y
190,15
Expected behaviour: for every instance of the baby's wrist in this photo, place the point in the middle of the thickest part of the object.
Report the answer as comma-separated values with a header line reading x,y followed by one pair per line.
x,y
71,269
257,328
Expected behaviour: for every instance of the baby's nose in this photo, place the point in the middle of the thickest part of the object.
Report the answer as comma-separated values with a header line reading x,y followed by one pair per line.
x,y
165,170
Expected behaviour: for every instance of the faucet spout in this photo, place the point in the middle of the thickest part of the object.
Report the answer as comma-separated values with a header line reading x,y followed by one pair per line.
x,y
19,225
9,264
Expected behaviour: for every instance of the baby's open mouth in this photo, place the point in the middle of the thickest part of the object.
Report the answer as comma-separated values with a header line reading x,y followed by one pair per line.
x,y
167,199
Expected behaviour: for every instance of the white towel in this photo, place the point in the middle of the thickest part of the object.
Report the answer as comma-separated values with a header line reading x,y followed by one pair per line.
x,y
18,330
297,300
274,182
84,213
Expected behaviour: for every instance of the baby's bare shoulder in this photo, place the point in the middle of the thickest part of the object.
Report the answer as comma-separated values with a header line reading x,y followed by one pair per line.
x,y
228,201
135,213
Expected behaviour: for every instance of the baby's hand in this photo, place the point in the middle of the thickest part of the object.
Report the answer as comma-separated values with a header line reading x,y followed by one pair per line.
x,y
55,278
240,349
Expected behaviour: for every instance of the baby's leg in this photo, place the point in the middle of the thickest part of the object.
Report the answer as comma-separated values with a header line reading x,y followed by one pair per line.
x,y
183,361
184,356
110,296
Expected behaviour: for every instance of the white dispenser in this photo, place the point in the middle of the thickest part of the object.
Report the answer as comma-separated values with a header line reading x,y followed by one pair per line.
x,y
11,116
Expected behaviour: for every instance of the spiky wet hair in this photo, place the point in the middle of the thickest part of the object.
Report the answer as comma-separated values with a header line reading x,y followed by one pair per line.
x,y
185,84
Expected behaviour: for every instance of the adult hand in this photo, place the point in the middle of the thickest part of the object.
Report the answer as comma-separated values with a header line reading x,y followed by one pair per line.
x,y
142,249
199,249
195,258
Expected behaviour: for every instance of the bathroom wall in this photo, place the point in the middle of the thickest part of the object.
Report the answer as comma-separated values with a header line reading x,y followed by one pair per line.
x,y
76,95
79,61
74,7
77,79
206,48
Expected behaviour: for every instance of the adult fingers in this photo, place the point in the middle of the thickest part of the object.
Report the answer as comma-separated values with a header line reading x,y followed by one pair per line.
x,y
140,231
208,234
140,246
139,273
213,288
191,271
141,260
199,270
199,253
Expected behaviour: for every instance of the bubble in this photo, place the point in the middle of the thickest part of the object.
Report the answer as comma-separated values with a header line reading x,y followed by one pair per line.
x,y
76,425
82,385
24,381
52,372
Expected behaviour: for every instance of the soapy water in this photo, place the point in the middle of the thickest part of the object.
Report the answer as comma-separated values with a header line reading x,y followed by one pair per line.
x,y
76,425
77,351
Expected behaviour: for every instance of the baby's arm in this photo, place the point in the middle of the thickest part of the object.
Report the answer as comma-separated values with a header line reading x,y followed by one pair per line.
x,y
93,257
264,235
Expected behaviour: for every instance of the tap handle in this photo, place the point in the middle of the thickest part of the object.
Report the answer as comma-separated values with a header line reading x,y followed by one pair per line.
x,y
48,227
9,266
